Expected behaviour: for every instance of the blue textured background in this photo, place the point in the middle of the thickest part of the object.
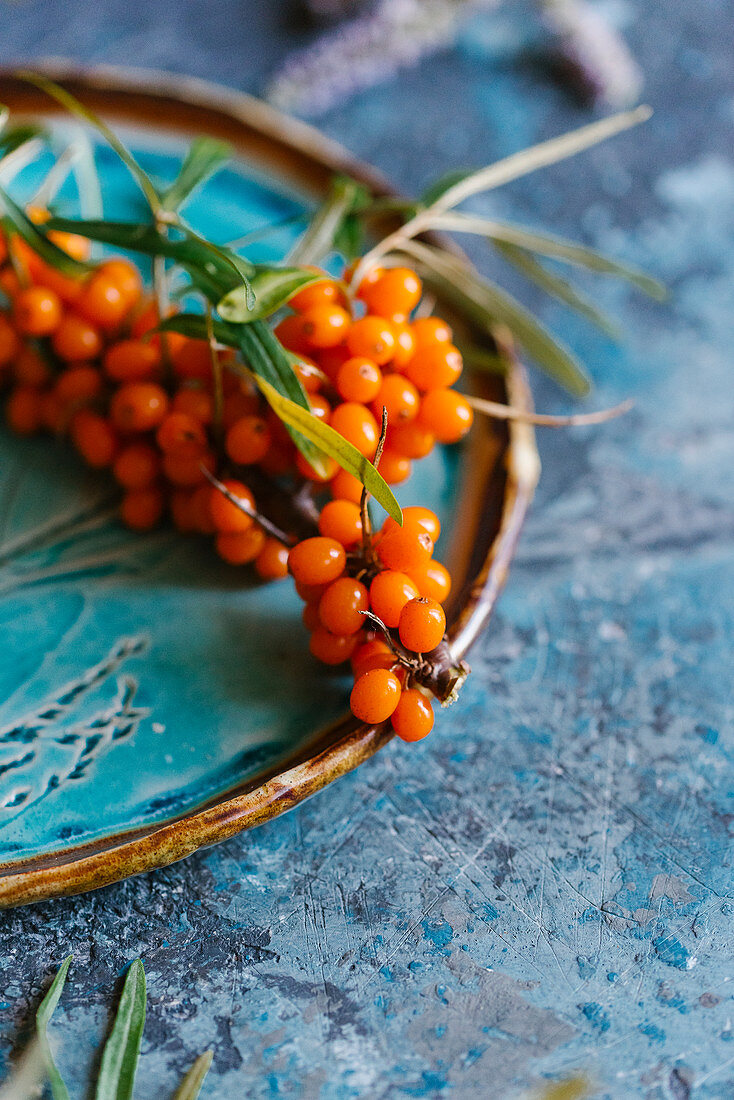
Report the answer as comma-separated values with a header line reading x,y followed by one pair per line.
x,y
545,885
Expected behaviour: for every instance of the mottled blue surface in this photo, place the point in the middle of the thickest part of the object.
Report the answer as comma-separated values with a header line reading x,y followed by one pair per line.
x,y
545,885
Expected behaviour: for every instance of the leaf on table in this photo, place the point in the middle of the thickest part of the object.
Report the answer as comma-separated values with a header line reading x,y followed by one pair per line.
x,y
190,1087
45,1011
122,1050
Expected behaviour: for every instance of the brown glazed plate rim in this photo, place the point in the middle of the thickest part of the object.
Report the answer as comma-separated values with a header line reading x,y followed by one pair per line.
x,y
303,156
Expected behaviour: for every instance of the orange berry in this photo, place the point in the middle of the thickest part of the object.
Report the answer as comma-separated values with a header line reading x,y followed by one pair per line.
x,y
77,386
411,440
422,624
309,375
405,549
368,279
195,402
240,547
9,282
272,562
138,406
375,696
431,330
359,379
389,593
102,302
310,616
412,718
184,468
325,292
447,414
399,397
331,359
396,291
36,311
226,516
372,337
125,276
317,560
30,368
433,580
23,410
142,509
372,654
181,505
76,339
248,440
435,367
290,333
394,467
344,486
94,438
201,511
132,361
326,473
178,432
324,326
319,406
342,605
9,343
137,465
341,520
357,425
416,517
238,405
310,593
332,649
193,359
404,345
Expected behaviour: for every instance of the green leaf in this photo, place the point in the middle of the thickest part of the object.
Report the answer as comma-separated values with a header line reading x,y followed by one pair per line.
x,y
122,1050
484,303
349,239
332,443
272,287
345,197
204,157
190,1087
16,136
557,287
66,99
43,1016
439,187
35,236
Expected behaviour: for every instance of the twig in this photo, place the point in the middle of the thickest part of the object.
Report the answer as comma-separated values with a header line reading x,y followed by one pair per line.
x,y
508,412
243,506
363,509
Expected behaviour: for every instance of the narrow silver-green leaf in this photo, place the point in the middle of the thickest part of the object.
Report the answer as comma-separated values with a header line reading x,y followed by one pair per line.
x,y
36,238
318,240
204,157
43,1016
332,443
120,1058
72,104
557,287
190,1087
272,287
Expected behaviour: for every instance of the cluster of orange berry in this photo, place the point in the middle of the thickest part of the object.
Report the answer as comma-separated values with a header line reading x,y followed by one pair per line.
x,y
79,357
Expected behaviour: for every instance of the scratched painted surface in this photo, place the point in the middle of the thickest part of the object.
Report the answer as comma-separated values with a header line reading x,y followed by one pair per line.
x,y
545,885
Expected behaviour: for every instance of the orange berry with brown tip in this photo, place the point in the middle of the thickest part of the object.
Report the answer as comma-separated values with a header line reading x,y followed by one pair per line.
x,y
375,696
358,426
317,560
447,414
412,718
137,465
102,302
435,367
24,409
138,406
94,438
372,337
389,593
248,440
37,311
272,562
396,291
422,624
132,361
180,433
195,402
240,547
324,326
342,605
418,517
428,331
324,292
228,517
76,339
404,345
142,509
331,649
400,397
185,468
341,520
405,549
359,379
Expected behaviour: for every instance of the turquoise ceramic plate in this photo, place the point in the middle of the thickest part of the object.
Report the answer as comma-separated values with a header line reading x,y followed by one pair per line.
x,y
154,700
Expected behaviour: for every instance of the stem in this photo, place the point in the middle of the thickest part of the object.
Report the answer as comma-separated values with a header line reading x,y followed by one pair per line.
x,y
508,412
262,521
363,509
217,376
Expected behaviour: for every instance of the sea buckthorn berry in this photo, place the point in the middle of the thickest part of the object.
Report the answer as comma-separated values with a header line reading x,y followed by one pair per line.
x,y
94,438
411,439
240,547
226,516
9,343
389,593
181,507
272,562
341,520
310,616
238,405
179,432
435,367
102,302
77,386
396,291
9,282
324,326
404,345
433,580
248,440
368,279
412,718
30,368
37,311
53,417
431,330
372,654
375,696
345,486
372,337
201,509
400,397
76,339
319,406
195,402
405,549
447,414
138,406
279,459
359,379
331,359
310,593
357,425
342,605
142,509
193,359
422,624
394,467
418,517
132,361
309,375
137,465
317,561
325,292
184,468
328,468
331,649
125,277
291,335
23,410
